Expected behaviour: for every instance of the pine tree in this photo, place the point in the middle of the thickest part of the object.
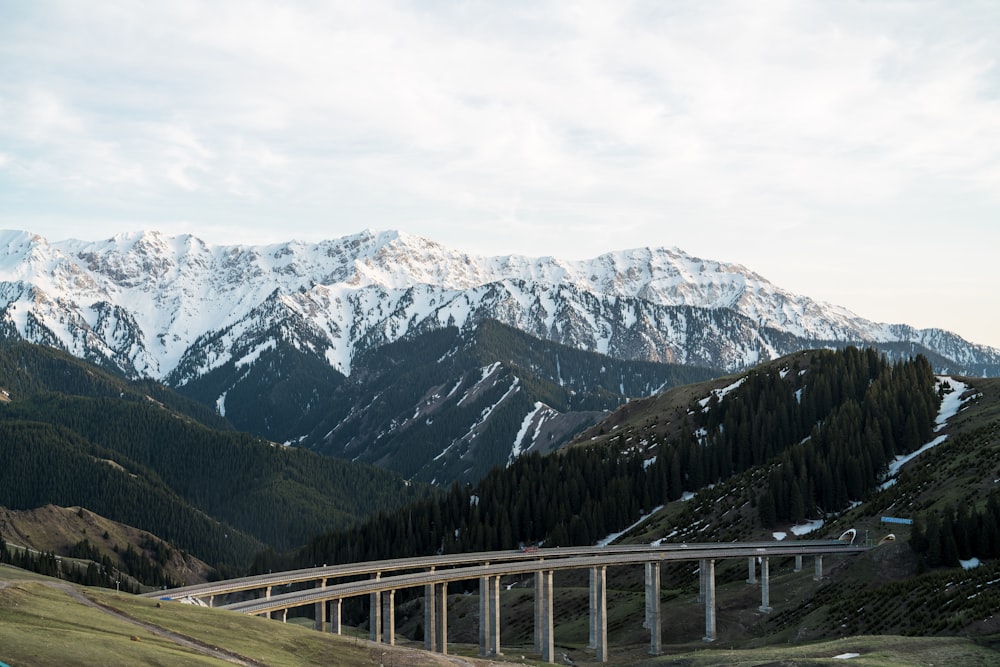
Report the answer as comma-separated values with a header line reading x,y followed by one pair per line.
x,y
766,510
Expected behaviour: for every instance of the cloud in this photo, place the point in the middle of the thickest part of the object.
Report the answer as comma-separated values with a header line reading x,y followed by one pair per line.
x,y
516,107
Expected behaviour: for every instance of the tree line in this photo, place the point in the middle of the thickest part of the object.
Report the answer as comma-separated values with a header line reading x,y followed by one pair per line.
x,y
826,430
959,532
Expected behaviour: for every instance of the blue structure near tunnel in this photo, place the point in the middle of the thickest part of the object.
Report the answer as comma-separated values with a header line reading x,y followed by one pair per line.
x,y
892,519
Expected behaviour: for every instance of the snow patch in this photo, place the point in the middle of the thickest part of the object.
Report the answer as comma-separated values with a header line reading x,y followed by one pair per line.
x,y
969,564
721,393
614,536
519,445
807,527
950,405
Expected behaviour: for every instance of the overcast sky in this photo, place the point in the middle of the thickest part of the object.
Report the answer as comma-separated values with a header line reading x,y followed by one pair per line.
x,y
849,151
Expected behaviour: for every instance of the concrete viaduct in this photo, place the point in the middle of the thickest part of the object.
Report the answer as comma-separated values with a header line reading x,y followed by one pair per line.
x,y
381,579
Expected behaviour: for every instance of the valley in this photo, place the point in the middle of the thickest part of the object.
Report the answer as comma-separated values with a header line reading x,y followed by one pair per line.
x,y
627,478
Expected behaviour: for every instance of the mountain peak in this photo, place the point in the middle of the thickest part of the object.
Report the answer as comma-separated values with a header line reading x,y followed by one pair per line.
x,y
150,301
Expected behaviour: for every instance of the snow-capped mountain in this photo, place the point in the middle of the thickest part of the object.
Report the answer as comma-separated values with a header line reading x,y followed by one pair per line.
x,y
174,307
289,340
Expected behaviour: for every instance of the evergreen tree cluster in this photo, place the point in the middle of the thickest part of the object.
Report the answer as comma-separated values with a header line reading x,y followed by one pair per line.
x,y
825,430
139,454
100,571
573,498
853,417
280,495
46,464
959,533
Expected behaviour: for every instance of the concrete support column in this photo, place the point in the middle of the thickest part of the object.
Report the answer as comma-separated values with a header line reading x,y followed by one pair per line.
x,y
653,607
708,570
818,574
489,616
211,600
284,615
375,617
592,625
494,603
484,616
267,596
320,611
751,570
335,609
798,563
538,612
601,612
375,613
430,616
548,643
765,585
389,618
646,611
441,637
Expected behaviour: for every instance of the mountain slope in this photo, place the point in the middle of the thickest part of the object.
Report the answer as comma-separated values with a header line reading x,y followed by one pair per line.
x,y
73,532
105,444
284,340
670,454
450,405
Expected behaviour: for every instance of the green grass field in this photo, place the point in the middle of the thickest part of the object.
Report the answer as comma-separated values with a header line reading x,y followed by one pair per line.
x,y
43,623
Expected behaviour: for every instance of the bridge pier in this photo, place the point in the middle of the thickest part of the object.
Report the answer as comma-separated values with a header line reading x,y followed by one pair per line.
x,y
599,611
489,616
592,625
818,574
765,585
537,632
798,563
653,608
375,617
430,616
389,618
751,570
441,611
708,578
335,609
545,617
320,610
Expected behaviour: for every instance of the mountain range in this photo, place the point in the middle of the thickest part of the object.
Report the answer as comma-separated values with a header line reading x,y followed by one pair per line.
x,y
305,343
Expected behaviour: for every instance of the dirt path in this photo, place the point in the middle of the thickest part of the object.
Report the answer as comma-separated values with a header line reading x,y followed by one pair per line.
x,y
178,639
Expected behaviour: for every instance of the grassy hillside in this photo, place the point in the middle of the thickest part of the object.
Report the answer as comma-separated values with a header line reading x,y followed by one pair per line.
x,y
44,622
73,530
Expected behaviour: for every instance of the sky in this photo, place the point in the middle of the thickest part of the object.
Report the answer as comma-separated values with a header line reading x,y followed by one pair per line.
x,y
848,151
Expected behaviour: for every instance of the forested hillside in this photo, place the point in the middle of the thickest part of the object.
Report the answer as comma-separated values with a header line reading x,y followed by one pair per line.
x,y
28,370
794,416
47,464
120,452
